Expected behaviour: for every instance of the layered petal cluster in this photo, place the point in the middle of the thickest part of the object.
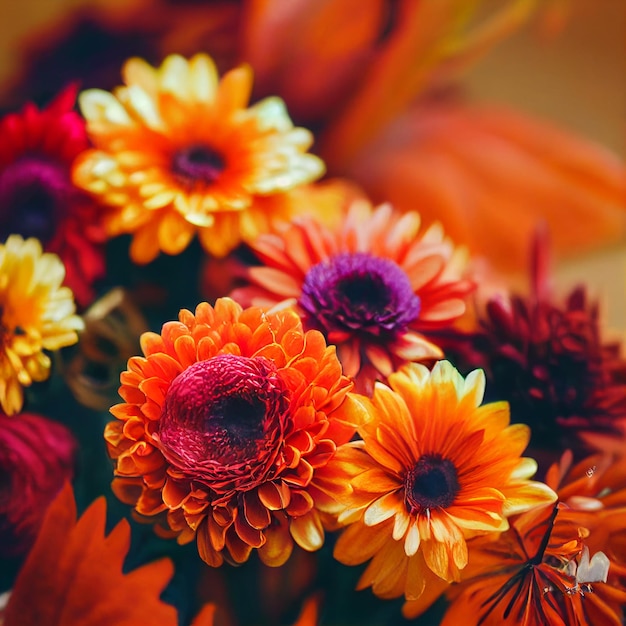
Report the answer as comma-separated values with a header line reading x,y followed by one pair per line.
x,y
36,459
538,572
548,359
177,152
374,284
434,468
73,575
37,196
36,314
228,423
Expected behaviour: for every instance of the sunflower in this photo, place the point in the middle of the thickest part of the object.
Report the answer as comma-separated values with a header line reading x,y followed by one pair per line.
x,y
36,314
177,152
433,469
73,575
373,285
228,423
37,196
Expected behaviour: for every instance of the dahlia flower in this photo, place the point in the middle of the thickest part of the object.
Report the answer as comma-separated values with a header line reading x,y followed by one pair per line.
x,y
227,424
37,197
36,459
373,285
177,152
73,575
434,468
549,361
36,314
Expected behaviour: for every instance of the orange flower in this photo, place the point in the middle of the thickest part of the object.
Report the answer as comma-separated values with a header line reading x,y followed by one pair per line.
x,y
527,576
177,152
594,491
73,575
228,423
433,469
36,314
531,574
372,285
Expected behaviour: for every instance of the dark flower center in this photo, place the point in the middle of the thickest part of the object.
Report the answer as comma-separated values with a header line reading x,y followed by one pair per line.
x,y
34,195
358,292
433,482
197,163
224,411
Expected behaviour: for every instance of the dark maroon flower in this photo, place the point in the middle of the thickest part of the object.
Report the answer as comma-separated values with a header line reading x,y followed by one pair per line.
x,y
548,360
36,459
37,196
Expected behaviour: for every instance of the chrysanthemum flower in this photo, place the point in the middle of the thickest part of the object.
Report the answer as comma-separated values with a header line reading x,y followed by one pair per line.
x,y
228,423
373,285
37,196
434,468
73,575
36,314
36,459
177,152
549,361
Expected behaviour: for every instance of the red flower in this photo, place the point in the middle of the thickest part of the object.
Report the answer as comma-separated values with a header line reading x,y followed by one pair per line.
x,y
37,197
36,458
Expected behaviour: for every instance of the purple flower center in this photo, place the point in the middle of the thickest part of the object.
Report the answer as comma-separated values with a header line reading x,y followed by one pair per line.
x,y
223,413
34,195
433,482
359,293
197,163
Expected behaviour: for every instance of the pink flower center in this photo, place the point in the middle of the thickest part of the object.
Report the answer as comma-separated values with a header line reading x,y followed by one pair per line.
x,y
197,163
225,413
433,482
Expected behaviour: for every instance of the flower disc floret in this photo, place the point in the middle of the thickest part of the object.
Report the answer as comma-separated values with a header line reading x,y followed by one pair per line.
x,y
228,425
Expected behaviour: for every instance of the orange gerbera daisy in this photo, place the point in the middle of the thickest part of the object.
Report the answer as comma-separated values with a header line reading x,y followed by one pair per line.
x,y
372,285
73,575
433,469
36,314
177,152
227,425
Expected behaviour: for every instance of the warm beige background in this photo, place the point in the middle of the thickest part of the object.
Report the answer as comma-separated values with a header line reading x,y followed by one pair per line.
x,y
579,80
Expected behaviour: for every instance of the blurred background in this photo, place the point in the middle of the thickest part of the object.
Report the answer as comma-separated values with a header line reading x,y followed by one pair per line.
x,y
569,67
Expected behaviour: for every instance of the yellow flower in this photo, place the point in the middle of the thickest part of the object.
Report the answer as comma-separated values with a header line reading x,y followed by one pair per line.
x,y
434,468
36,314
177,152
